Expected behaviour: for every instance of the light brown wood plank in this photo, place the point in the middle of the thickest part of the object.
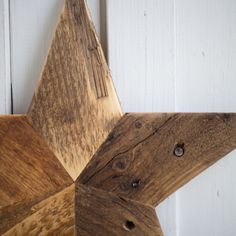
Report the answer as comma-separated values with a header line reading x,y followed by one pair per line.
x,y
100,213
53,216
138,159
17,212
29,171
75,105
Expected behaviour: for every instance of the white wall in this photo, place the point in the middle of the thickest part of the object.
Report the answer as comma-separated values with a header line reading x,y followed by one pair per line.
x,y
5,83
205,55
165,55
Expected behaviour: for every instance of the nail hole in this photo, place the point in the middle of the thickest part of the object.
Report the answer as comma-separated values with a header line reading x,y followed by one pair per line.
x,y
135,183
179,150
111,136
129,225
138,125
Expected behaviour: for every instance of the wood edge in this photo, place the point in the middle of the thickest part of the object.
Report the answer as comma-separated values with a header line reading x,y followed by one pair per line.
x,y
78,179
180,113
78,185
45,60
13,116
88,13
118,103
145,205
30,123
185,179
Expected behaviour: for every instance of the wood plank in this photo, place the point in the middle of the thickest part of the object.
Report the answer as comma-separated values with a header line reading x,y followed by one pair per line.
x,y
142,159
15,213
100,213
53,216
29,171
75,105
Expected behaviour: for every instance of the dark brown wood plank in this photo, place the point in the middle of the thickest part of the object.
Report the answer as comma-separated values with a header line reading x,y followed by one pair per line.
x,y
75,105
53,216
100,213
29,171
141,159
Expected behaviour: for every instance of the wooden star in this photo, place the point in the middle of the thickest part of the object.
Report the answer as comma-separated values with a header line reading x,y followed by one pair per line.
x,y
75,164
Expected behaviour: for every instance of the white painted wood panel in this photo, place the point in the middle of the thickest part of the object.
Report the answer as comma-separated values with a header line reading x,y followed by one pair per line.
x,y
5,88
141,59
205,81
140,39
205,55
32,27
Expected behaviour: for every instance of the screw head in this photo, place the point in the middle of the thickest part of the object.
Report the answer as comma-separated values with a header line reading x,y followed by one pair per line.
x,y
179,151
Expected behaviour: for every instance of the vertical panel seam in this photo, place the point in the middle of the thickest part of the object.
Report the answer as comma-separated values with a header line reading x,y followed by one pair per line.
x,y
6,57
175,102
175,56
10,58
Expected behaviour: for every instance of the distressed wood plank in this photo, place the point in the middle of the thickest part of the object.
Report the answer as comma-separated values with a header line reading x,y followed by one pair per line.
x,y
75,105
15,213
100,213
29,171
53,216
138,161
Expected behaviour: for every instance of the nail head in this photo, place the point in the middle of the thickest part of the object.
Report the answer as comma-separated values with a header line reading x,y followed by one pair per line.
x,y
179,151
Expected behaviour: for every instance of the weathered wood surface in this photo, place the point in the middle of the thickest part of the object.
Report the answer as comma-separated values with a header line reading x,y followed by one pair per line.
x,y
53,216
29,171
75,105
144,159
137,160
100,213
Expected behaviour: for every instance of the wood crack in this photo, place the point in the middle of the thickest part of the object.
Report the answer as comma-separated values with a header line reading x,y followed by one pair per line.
x,y
133,147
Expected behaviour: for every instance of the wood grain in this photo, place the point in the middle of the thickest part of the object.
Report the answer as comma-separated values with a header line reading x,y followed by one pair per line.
x,y
29,171
13,214
75,105
53,216
137,160
100,213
